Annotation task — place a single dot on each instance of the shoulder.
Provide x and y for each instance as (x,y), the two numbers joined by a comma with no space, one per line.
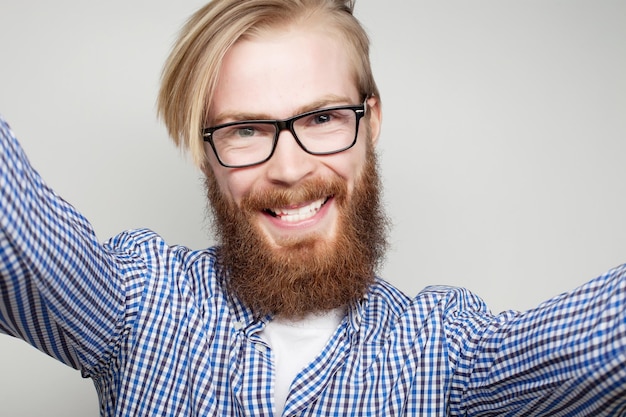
(148,244)
(384,296)
(148,251)
(442,307)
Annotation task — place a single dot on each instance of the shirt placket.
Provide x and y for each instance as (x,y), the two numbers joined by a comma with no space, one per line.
(253,385)
(310,383)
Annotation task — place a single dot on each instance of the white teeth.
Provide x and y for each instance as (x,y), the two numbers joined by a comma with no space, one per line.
(300,213)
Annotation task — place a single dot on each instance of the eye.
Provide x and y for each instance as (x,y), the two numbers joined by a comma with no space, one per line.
(235,132)
(245,132)
(322,118)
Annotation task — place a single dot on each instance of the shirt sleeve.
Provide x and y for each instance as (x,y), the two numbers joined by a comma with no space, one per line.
(565,358)
(60,290)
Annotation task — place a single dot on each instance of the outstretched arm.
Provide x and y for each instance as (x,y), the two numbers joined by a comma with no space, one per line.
(565,358)
(59,290)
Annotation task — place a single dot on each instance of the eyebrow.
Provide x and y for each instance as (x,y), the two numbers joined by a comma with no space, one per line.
(326,101)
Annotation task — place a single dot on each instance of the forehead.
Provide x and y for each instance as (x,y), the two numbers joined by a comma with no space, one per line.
(276,73)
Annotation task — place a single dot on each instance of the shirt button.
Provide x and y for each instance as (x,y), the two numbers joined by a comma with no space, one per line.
(238,325)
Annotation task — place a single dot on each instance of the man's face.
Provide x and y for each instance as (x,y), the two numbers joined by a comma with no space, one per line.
(276,76)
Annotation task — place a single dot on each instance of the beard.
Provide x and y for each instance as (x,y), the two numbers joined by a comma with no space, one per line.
(307,274)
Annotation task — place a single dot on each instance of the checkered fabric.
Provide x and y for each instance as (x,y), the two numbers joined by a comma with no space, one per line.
(155,328)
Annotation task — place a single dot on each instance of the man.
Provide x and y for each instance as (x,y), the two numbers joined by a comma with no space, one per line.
(277,104)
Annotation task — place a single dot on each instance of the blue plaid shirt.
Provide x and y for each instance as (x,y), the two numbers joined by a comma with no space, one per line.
(156,329)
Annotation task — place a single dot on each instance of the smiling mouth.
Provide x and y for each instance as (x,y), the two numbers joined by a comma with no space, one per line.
(297,214)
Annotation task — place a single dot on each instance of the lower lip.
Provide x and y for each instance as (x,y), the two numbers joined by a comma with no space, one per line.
(321,213)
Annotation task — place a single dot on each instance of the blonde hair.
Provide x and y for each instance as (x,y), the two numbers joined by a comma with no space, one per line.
(191,71)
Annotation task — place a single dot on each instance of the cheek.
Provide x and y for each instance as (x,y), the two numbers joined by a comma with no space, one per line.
(232,183)
(235,183)
(349,165)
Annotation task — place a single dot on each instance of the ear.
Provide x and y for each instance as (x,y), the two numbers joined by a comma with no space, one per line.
(374,118)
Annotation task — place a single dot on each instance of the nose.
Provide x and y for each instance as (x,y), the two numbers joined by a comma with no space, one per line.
(289,163)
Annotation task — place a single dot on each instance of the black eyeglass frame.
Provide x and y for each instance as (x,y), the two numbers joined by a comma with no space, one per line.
(286,124)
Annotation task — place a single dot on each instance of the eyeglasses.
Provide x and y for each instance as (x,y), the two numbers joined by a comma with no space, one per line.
(251,142)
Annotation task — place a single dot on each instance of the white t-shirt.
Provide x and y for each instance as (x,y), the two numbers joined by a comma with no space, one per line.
(295,344)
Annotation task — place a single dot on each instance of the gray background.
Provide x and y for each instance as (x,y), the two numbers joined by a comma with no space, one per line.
(502,149)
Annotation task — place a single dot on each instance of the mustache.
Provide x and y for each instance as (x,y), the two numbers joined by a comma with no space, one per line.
(308,190)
